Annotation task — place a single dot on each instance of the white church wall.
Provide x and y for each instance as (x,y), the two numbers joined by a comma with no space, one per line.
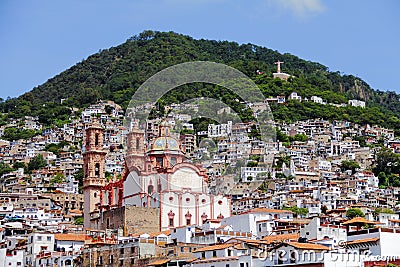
(186,178)
(221,206)
(204,206)
(169,203)
(132,184)
(188,207)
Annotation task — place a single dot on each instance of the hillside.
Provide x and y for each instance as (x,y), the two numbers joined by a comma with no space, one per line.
(116,73)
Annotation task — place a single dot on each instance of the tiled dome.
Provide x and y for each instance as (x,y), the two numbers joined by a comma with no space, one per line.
(164,143)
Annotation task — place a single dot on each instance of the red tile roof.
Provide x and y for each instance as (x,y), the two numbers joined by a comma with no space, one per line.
(362,241)
(280,238)
(158,262)
(266,210)
(71,237)
(214,247)
(359,220)
(307,246)
(215,260)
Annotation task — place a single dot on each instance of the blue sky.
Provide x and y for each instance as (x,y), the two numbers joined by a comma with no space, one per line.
(41,38)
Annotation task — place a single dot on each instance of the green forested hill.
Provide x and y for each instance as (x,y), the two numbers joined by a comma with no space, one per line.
(116,73)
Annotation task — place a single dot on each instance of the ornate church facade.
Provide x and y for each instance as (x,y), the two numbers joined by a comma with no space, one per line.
(156,176)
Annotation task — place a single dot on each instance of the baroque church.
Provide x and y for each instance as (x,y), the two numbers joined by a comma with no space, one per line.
(159,187)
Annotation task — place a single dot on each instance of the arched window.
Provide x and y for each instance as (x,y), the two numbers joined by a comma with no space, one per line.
(97,170)
(96,139)
(137,143)
(171,218)
(159,187)
(150,189)
(188,217)
(87,170)
(204,217)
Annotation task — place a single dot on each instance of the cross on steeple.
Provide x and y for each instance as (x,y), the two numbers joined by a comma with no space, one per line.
(278,63)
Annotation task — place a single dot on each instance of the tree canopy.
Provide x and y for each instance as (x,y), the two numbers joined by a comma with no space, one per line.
(4,168)
(354,212)
(36,163)
(349,165)
(299,212)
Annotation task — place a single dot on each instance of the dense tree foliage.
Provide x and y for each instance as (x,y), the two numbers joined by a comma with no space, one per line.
(117,72)
(382,210)
(56,148)
(387,168)
(19,164)
(58,179)
(4,168)
(298,212)
(79,221)
(354,212)
(36,163)
(387,162)
(351,165)
(79,177)
(13,133)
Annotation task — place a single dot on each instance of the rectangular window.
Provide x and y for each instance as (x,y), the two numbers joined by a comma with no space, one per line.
(214,253)
(132,250)
(39,238)
(48,238)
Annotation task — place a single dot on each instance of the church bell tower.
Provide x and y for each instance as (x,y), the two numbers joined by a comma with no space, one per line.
(94,173)
(136,148)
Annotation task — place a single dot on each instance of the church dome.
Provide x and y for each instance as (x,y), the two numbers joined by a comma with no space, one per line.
(165,143)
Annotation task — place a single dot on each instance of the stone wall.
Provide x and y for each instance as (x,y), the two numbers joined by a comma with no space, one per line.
(142,220)
(132,219)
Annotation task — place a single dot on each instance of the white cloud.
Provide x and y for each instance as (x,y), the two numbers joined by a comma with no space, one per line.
(301,8)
